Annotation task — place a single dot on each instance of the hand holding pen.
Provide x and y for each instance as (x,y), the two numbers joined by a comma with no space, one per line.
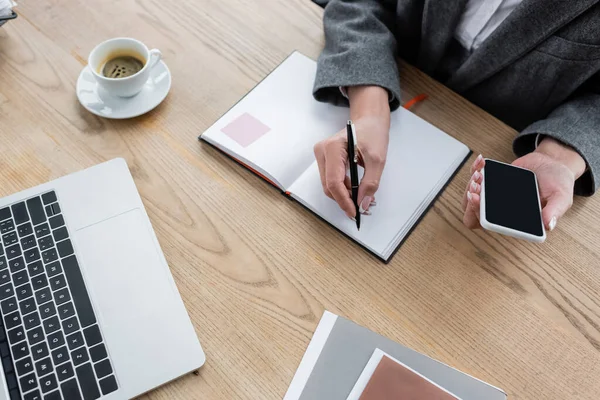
(371,124)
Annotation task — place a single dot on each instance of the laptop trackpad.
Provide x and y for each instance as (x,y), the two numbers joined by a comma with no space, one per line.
(123,269)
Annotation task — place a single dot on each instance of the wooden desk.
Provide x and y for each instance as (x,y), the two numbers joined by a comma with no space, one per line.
(255,270)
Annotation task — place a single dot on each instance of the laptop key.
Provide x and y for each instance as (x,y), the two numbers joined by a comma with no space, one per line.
(47,310)
(49,197)
(12,320)
(79,291)
(74,340)
(53,269)
(92,335)
(10,238)
(70,325)
(60,234)
(49,255)
(48,383)
(39,282)
(36,210)
(31,255)
(24,291)
(27,305)
(39,351)
(13,251)
(24,366)
(44,366)
(62,296)
(79,356)
(3,263)
(58,282)
(57,221)
(66,310)
(59,356)
(56,339)
(51,325)
(98,352)
(16,335)
(49,211)
(16,264)
(7,364)
(4,349)
(35,395)
(24,229)
(45,243)
(108,385)
(53,396)
(65,248)
(70,390)
(11,380)
(28,382)
(28,242)
(35,335)
(87,380)
(7,226)
(43,295)
(19,212)
(8,305)
(35,268)
(42,230)
(20,278)
(6,291)
(31,320)
(4,276)
(20,350)
(5,213)
(103,368)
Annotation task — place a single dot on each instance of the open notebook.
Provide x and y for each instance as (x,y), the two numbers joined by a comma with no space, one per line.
(273,129)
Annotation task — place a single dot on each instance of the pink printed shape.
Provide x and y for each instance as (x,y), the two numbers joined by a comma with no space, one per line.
(245,130)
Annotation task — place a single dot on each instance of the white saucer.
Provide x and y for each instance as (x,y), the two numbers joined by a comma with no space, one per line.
(97,101)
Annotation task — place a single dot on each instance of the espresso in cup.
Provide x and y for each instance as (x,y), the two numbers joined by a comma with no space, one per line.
(121,66)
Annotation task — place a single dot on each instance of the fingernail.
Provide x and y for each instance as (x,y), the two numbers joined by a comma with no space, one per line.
(469,196)
(364,205)
(552,224)
(479,158)
(476,175)
(373,203)
(473,186)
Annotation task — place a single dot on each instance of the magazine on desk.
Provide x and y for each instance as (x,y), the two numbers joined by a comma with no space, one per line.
(273,129)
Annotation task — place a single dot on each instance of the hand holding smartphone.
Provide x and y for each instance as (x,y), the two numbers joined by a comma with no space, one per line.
(510,202)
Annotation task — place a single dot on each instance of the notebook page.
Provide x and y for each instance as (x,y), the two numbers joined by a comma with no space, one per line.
(419,156)
(277,124)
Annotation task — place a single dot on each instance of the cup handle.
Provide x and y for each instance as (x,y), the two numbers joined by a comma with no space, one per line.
(155,56)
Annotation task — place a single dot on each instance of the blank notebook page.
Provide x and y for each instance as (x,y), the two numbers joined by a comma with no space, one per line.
(419,158)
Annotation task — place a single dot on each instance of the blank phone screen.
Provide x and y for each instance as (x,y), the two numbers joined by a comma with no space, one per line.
(511,198)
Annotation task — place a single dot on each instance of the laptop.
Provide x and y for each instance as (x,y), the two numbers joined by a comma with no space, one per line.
(89,308)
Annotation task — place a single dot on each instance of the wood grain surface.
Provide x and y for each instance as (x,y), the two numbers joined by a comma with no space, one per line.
(256,271)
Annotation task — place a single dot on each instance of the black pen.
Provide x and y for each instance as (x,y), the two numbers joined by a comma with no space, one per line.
(353,161)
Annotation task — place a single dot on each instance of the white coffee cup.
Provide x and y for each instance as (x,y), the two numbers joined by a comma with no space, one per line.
(112,48)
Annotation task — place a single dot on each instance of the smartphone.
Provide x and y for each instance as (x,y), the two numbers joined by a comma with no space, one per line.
(510,202)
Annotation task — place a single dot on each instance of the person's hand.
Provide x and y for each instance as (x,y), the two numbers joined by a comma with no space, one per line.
(556,166)
(369,110)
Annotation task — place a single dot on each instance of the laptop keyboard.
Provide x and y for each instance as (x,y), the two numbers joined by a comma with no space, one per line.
(50,342)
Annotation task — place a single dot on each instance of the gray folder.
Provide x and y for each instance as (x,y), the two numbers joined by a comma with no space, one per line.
(345,353)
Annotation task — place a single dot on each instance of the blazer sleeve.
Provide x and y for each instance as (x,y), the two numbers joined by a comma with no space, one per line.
(360,49)
(575,123)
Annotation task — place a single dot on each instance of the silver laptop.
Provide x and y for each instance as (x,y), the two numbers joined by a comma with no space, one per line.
(89,307)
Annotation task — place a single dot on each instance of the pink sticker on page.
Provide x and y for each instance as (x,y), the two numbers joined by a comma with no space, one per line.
(245,130)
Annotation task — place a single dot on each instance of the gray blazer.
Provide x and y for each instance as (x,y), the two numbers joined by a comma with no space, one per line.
(539,71)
